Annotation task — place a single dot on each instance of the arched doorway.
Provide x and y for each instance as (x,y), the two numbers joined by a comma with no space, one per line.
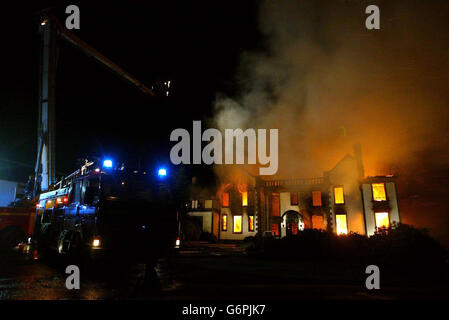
(292,222)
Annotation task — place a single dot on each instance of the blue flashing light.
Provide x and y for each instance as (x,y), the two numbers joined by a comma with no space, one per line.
(162,172)
(107,163)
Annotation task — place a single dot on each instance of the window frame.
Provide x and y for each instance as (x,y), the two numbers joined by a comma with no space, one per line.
(245,205)
(343,194)
(321,199)
(253,224)
(375,220)
(241,223)
(346,221)
(224,226)
(222,200)
(385,190)
(322,222)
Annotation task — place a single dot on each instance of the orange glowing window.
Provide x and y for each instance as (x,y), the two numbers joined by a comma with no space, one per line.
(251,223)
(224,222)
(293,198)
(342,226)
(339,195)
(317,222)
(382,220)
(225,199)
(275,229)
(244,199)
(379,193)
(316,198)
(237,224)
(275,205)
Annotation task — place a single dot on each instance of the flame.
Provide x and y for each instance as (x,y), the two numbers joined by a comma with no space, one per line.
(242,187)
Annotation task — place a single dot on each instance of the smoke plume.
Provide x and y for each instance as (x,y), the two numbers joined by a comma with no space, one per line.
(326,82)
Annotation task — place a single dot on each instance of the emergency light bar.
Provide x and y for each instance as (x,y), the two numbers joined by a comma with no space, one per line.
(107,163)
(162,172)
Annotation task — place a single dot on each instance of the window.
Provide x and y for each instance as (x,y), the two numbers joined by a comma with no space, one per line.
(294,198)
(208,204)
(317,222)
(379,193)
(275,205)
(251,223)
(316,198)
(76,192)
(225,199)
(275,229)
(342,226)
(224,222)
(244,198)
(194,204)
(237,224)
(382,220)
(339,195)
(91,191)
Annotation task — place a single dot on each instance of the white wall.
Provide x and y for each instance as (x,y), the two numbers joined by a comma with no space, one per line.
(207,219)
(345,174)
(229,235)
(391,194)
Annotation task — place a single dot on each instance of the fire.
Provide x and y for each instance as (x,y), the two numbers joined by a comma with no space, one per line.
(223,195)
(382,220)
(342,227)
(244,199)
(242,188)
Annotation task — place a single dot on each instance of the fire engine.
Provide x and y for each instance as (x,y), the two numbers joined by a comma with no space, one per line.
(16,224)
(107,212)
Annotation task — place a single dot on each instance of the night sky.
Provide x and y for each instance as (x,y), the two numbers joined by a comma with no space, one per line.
(195,46)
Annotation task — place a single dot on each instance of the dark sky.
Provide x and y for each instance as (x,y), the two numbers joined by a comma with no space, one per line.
(195,45)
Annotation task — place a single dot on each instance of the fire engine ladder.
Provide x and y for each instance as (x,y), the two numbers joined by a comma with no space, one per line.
(51,30)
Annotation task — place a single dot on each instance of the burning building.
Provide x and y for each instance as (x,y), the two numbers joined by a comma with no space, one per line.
(342,200)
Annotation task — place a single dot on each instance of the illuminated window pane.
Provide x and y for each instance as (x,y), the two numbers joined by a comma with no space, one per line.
(224,222)
(317,222)
(251,223)
(244,199)
(342,227)
(225,199)
(316,198)
(339,195)
(382,220)
(237,224)
(379,193)
(294,198)
(275,229)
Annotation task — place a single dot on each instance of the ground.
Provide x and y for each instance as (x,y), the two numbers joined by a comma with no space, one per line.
(199,271)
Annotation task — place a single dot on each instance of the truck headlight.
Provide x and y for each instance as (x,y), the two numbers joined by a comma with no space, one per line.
(96,242)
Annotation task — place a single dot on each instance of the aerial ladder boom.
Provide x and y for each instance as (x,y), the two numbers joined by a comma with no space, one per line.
(51,31)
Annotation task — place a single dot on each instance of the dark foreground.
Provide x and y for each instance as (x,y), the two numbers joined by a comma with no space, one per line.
(200,271)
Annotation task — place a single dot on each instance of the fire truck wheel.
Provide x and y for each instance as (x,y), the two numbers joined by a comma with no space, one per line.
(11,236)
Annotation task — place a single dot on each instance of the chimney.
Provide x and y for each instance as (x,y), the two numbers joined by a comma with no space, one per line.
(358,158)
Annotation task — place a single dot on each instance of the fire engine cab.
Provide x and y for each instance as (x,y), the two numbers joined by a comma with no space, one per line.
(107,212)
